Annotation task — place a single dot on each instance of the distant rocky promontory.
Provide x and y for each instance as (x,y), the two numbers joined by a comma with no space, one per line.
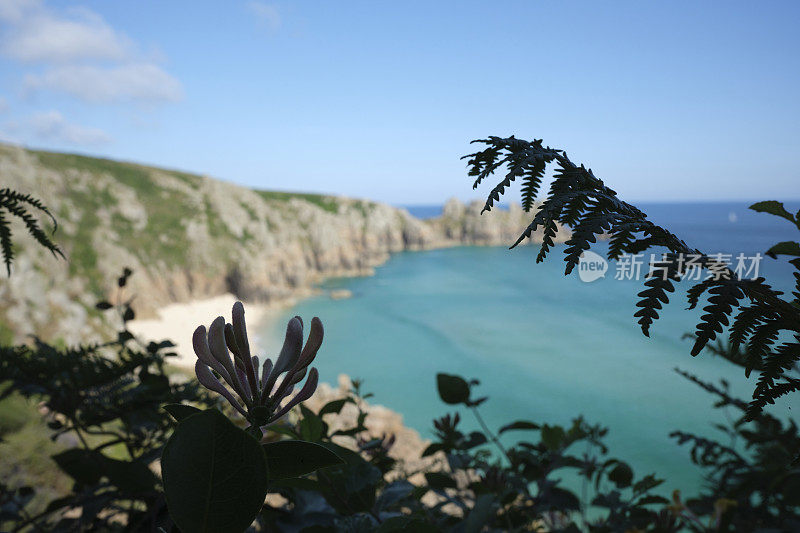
(189,237)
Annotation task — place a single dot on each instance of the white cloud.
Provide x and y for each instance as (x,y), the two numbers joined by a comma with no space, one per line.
(14,10)
(52,126)
(35,34)
(133,82)
(80,54)
(266,14)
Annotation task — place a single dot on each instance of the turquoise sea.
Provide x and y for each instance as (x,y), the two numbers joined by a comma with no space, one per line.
(545,346)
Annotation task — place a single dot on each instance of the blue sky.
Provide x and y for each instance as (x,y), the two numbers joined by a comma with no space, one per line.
(665,101)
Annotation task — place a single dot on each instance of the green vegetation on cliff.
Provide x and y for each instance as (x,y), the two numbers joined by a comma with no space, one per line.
(187,235)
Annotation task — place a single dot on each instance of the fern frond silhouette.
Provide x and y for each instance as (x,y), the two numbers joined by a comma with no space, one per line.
(21,205)
(755,314)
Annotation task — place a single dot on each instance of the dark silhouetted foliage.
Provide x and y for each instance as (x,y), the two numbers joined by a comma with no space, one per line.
(19,205)
(252,463)
(757,314)
(753,479)
(107,399)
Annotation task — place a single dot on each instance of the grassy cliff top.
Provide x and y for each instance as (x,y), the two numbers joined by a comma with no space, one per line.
(139,176)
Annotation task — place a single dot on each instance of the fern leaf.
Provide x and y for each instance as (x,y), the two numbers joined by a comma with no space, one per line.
(659,283)
(583,236)
(532,181)
(746,322)
(724,297)
(776,363)
(15,203)
(758,404)
(578,199)
(6,246)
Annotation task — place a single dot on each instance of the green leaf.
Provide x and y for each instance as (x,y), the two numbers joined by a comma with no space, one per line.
(154,347)
(621,475)
(284,430)
(480,514)
(179,411)
(85,467)
(520,424)
(295,458)
(394,493)
(312,428)
(784,248)
(653,499)
(563,500)
(348,456)
(157,384)
(452,389)
(60,503)
(647,483)
(333,407)
(131,477)
(476,438)
(432,449)
(439,481)
(215,475)
(773,208)
(553,436)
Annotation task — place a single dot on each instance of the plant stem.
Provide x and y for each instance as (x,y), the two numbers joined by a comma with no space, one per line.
(491,435)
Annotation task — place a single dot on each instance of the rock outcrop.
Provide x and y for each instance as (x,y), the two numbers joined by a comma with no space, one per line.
(463,225)
(380,422)
(189,236)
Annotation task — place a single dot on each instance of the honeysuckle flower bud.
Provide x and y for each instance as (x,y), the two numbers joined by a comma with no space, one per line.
(257,397)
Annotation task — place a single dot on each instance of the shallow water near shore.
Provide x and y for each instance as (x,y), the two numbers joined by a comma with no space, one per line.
(545,346)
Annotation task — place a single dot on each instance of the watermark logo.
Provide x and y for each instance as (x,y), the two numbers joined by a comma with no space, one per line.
(693,267)
(696,267)
(591,266)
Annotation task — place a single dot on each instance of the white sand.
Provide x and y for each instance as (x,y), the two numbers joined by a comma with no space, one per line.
(177,322)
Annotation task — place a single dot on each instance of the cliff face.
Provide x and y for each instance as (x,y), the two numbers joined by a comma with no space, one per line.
(464,225)
(188,236)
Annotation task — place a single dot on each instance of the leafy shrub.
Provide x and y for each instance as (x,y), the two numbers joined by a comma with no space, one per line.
(108,399)
(753,479)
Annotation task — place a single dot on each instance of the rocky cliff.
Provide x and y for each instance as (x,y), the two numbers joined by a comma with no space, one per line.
(188,236)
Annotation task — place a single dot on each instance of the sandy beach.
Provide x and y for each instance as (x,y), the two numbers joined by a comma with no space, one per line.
(178,321)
